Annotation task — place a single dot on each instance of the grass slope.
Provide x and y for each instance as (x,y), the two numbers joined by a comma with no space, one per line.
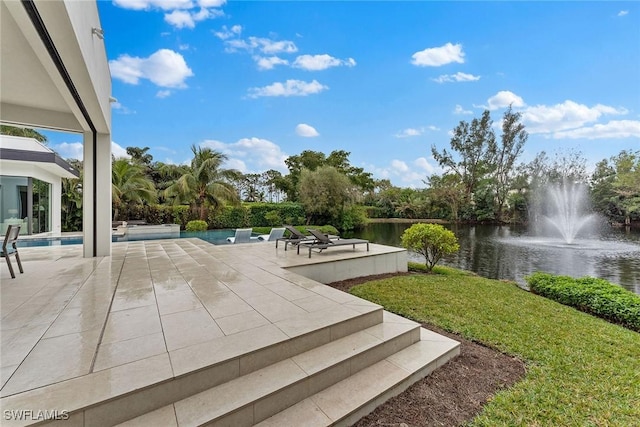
(581,370)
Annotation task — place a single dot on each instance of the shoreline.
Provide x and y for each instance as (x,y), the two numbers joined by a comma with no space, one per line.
(407,220)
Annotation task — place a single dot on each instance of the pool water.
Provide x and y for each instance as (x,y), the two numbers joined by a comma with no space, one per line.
(216,237)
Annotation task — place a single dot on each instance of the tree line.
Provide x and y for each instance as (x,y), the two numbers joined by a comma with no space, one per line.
(483,181)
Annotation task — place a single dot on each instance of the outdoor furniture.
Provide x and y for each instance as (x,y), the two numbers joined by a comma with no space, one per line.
(322,242)
(9,248)
(243,235)
(295,237)
(273,236)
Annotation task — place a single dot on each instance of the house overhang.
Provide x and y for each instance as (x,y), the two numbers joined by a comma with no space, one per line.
(46,45)
(50,162)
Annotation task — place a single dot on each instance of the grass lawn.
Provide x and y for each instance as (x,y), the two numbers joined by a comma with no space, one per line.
(581,370)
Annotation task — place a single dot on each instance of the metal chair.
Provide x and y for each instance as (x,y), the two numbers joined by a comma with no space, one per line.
(9,248)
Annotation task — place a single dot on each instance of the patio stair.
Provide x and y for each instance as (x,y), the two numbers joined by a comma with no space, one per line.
(333,384)
(330,365)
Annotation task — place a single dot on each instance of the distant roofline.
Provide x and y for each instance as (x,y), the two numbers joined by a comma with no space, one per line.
(37,157)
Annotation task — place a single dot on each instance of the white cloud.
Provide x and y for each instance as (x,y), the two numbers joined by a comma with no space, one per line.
(437,56)
(121,109)
(565,116)
(399,166)
(503,99)
(272,46)
(227,33)
(165,68)
(460,110)
(188,19)
(433,128)
(424,164)
(236,164)
(183,47)
(251,154)
(69,150)
(288,88)
(163,93)
(211,3)
(613,129)
(268,62)
(623,13)
(457,77)
(74,150)
(180,13)
(264,45)
(407,176)
(154,4)
(306,130)
(405,133)
(180,19)
(119,151)
(321,62)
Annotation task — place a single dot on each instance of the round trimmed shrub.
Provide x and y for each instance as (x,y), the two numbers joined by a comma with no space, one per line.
(196,225)
(430,240)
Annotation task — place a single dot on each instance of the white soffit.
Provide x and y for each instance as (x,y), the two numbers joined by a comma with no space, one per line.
(33,92)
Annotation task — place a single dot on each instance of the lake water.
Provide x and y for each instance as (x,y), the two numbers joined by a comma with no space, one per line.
(509,252)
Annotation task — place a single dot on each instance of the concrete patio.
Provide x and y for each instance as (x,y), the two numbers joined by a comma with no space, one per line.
(182,332)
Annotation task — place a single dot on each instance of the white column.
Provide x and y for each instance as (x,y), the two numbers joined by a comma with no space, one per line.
(56,207)
(100,226)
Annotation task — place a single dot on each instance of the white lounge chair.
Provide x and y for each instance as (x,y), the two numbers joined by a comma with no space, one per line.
(243,235)
(276,233)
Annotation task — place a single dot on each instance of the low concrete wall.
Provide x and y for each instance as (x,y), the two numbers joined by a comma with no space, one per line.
(336,270)
(170,230)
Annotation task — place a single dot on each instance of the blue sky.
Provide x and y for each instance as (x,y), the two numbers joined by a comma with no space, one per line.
(261,81)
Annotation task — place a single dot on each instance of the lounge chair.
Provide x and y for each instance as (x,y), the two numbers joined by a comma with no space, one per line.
(294,238)
(276,233)
(243,235)
(9,248)
(322,242)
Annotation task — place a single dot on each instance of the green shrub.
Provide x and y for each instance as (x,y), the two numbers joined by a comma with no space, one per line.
(430,240)
(591,295)
(376,212)
(196,225)
(353,218)
(229,217)
(264,214)
(273,218)
(257,215)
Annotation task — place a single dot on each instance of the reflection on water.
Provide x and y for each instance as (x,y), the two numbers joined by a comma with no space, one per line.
(507,252)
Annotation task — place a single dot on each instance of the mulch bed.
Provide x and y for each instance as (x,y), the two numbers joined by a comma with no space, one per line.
(455,392)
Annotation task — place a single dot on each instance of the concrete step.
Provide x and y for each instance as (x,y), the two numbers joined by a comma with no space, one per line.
(259,395)
(345,402)
(143,386)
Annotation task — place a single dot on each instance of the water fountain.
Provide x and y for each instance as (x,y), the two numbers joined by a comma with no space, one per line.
(567,211)
(565,237)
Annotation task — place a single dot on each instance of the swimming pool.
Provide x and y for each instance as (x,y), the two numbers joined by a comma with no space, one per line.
(217,237)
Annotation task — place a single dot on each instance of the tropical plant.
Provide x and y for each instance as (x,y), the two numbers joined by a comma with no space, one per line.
(130,185)
(430,240)
(205,184)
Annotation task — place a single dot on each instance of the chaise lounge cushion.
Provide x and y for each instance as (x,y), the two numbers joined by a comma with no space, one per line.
(323,242)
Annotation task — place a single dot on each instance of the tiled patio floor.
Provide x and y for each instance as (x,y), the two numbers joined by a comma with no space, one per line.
(69,316)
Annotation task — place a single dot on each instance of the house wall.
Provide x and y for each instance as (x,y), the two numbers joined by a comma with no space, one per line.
(28,170)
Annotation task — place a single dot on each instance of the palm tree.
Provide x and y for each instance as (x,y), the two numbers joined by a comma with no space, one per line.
(205,183)
(130,184)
